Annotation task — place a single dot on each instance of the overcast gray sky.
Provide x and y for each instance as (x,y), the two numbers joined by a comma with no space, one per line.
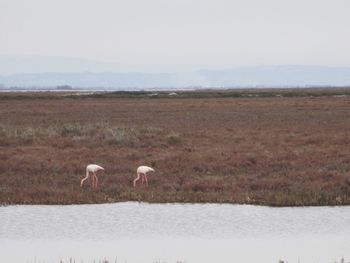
(180,34)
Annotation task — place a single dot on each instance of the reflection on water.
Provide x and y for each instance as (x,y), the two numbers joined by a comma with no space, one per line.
(140,232)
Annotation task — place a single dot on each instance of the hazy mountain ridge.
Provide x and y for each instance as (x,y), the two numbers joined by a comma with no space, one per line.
(238,77)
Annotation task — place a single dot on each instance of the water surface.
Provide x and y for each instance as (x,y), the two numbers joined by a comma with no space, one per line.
(140,232)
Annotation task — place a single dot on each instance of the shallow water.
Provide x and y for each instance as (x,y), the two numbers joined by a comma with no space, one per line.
(140,232)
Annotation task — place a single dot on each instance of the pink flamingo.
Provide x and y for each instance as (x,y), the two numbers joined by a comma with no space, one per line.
(142,173)
(92,168)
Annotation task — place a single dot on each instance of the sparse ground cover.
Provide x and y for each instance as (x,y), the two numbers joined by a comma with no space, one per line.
(258,149)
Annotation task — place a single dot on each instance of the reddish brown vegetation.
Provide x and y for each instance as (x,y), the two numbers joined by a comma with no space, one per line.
(275,151)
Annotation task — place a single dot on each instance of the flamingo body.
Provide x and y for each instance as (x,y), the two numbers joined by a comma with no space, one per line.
(92,169)
(144,169)
(141,172)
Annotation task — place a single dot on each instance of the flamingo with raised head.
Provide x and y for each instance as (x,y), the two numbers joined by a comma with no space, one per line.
(142,173)
(92,169)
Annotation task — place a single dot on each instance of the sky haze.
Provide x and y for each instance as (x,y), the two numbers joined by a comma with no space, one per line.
(179,35)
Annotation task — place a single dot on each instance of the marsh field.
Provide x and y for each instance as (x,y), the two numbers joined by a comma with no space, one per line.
(268,147)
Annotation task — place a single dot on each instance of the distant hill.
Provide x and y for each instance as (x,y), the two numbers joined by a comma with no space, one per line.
(260,76)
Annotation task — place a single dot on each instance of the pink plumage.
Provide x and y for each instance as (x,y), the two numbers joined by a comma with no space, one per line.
(92,169)
(141,172)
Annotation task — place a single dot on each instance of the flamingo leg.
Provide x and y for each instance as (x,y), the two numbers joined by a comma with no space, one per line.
(136,179)
(92,180)
(145,175)
(96,180)
(142,178)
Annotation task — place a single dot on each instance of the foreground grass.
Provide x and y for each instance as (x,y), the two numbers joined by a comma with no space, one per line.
(280,151)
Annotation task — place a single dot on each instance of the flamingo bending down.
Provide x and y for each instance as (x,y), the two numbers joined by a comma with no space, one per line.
(142,173)
(92,168)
